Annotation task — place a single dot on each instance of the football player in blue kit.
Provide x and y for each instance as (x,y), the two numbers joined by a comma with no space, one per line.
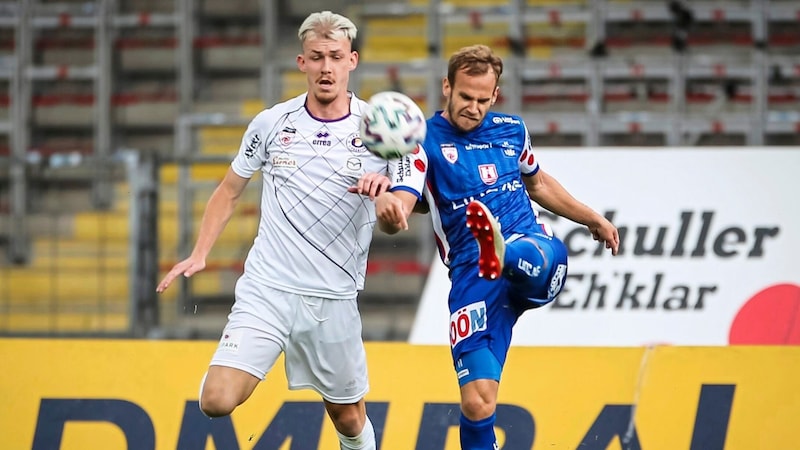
(477,173)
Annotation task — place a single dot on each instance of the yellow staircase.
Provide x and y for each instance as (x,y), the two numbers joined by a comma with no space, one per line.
(80,283)
(395,38)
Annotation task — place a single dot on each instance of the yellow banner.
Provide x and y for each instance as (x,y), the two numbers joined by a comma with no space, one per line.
(90,394)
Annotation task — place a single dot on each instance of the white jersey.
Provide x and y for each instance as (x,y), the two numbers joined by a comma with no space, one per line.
(314,236)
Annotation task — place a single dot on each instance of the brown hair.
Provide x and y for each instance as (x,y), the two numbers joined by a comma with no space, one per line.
(474,60)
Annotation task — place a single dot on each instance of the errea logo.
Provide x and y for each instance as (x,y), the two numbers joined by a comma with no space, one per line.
(322,139)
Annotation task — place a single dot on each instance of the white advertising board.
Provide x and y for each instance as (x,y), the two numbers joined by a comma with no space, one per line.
(710,240)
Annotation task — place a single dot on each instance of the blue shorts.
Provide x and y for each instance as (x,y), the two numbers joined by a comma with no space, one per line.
(480,364)
(481,315)
(483,312)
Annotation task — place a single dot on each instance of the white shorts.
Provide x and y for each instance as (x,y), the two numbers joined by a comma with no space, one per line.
(320,337)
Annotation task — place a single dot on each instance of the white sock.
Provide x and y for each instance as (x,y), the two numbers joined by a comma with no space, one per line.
(364,441)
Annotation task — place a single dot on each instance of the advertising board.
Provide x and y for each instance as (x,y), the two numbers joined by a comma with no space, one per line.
(709,242)
(142,395)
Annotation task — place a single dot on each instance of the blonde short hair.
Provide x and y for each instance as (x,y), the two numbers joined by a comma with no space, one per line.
(327,25)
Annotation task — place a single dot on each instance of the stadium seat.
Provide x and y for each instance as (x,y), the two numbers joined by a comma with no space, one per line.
(223,141)
(64,322)
(394,38)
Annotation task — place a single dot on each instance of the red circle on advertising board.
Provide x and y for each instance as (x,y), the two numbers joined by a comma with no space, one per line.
(770,317)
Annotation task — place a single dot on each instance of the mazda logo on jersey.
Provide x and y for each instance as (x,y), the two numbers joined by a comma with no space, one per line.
(354,164)
(488,173)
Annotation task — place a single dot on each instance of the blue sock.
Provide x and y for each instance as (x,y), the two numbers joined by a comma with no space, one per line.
(478,435)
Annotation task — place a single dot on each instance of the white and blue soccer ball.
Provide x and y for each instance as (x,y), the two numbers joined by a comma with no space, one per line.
(392,125)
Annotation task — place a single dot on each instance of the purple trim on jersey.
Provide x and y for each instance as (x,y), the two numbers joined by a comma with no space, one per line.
(349,111)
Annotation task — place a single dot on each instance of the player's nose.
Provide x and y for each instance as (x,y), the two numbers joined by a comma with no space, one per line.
(326,65)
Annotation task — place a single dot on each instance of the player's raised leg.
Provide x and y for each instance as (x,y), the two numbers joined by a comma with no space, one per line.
(536,266)
(490,240)
(534,263)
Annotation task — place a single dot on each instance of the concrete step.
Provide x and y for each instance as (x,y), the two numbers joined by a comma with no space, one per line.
(37,287)
(116,227)
(144,58)
(146,113)
(63,322)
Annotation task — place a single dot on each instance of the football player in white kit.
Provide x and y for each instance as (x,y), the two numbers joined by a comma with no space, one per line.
(297,294)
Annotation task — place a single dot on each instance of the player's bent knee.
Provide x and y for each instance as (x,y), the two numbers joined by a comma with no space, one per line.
(216,402)
(348,419)
(223,389)
(218,399)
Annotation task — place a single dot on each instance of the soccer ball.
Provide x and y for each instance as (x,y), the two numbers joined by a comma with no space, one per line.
(392,125)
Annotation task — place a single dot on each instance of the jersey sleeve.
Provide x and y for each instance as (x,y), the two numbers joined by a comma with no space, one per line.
(252,153)
(528,165)
(410,171)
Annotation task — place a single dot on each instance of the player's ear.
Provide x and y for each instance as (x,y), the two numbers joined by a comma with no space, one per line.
(495,94)
(446,87)
(301,63)
(353,59)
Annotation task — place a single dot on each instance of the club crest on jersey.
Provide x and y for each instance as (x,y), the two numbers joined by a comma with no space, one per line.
(286,136)
(450,152)
(488,173)
(354,144)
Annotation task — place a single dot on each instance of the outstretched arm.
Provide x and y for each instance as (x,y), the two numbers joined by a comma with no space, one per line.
(550,194)
(393,209)
(218,212)
(371,184)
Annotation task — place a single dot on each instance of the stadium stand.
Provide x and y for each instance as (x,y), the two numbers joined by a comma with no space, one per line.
(91,78)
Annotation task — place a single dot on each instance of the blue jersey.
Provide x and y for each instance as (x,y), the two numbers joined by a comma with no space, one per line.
(453,168)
